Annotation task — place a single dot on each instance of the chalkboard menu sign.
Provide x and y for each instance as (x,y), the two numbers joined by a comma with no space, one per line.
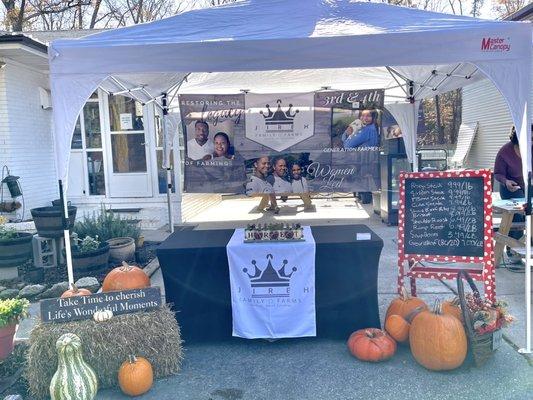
(445,213)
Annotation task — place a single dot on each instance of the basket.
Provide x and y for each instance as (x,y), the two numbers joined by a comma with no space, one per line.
(481,347)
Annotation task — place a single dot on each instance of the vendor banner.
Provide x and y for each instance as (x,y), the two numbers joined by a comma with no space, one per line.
(283,143)
(212,124)
(272,287)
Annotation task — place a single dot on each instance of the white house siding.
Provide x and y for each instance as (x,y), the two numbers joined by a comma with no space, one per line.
(483,103)
(27,130)
(4,125)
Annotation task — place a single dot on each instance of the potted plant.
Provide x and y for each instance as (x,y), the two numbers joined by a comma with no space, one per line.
(89,254)
(15,247)
(120,233)
(121,249)
(11,312)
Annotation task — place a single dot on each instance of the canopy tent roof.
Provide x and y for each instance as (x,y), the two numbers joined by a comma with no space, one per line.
(311,43)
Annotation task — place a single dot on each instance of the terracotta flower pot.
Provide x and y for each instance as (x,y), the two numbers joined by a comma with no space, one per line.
(7,333)
(121,249)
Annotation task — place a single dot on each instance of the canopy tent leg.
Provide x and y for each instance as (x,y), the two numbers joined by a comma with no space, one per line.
(169,201)
(527,349)
(66,233)
(167,163)
(414,136)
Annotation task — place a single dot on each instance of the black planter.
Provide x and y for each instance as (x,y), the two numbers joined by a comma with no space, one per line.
(35,275)
(15,251)
(90,261)
(49,220)
(57,203)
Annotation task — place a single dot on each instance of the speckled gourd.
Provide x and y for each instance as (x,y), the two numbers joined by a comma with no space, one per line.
(74,378)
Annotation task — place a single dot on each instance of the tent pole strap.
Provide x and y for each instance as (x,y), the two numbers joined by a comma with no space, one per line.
(66,234)
(169,175)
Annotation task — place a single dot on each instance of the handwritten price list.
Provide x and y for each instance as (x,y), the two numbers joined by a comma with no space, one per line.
(444,216)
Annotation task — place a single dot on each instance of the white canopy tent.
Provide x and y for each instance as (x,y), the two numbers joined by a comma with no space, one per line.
(297,45)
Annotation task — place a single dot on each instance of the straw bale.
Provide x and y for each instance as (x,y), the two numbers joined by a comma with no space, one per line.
(154,335)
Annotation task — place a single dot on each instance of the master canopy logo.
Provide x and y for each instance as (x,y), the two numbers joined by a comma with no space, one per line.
(495,44)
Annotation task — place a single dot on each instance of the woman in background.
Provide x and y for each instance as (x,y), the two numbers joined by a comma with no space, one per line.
(508,171)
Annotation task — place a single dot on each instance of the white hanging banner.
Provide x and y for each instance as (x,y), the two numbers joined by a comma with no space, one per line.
(272,287)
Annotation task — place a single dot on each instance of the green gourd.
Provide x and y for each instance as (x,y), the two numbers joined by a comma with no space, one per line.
(74,378)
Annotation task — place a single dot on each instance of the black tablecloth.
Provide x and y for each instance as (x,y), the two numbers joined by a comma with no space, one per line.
(196,274)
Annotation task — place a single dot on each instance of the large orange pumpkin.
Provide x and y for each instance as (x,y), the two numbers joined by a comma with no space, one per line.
(125,277)
(438,341)
(371,344)
(135,376)
(453,307)
(74,291)
(398,327)
(404,304)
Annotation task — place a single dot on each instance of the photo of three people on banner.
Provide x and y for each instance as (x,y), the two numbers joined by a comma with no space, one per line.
(278,178)
(200,148)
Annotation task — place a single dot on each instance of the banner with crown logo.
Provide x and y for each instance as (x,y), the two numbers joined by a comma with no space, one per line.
(283,143)
(272,287)
(279,121)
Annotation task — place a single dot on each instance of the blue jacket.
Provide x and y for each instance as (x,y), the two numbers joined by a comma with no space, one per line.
(367,137)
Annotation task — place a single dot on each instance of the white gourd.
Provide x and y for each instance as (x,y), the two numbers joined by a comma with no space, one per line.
(103,315)
(74,378)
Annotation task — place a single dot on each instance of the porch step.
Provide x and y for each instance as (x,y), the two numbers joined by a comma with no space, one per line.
(125,210)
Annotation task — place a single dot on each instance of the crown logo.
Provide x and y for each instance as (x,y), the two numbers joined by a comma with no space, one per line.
(279,121)
(270,282)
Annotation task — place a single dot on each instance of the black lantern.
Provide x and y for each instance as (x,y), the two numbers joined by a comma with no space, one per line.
(13,185)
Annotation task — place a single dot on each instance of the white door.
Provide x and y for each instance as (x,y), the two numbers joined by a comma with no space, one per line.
(127,149)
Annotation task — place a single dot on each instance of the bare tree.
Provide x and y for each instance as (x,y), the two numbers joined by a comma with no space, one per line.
(504,8)
(22,15)
(476,7)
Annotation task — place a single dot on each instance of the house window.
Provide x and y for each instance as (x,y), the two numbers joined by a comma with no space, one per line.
(161,172)
(87,141)
(125,114)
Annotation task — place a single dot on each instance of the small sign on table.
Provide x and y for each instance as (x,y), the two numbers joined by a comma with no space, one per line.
(83,307)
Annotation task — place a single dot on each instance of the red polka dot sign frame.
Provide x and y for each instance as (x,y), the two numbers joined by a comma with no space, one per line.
(409,264)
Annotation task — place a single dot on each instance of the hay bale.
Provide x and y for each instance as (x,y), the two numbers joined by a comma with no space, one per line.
(154,335)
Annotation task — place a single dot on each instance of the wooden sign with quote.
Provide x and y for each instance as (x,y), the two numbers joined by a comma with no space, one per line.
(83,307)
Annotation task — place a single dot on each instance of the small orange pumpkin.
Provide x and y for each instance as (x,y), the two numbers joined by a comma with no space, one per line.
(135,376)
(453,307)
(438,341)
(371,344)
(404,304)
(125,277)
(74,291)
(398,327)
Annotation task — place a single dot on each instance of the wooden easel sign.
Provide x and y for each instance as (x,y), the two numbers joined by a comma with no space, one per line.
(445,216)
